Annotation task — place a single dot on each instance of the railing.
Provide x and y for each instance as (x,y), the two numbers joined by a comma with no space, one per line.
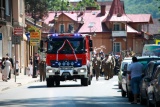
(2,13)
(119,33)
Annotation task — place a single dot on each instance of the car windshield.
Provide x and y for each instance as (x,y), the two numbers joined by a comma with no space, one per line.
(66,46)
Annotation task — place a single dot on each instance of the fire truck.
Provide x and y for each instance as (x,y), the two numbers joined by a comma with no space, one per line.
(68,57)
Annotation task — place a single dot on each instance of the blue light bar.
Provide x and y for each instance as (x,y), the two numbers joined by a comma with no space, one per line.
(55,34)
(76,34)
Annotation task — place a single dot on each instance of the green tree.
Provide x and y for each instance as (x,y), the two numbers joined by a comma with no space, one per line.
(38,8)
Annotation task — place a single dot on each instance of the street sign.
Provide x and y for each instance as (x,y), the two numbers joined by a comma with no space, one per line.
(34,38)
(16,39)
(18,31)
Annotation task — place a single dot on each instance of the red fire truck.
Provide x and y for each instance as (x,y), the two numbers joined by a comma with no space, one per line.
(68,57)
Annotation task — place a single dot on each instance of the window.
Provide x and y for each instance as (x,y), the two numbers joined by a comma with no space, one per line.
(62,28)
(117,27)
(21,7)
(70,28)
(7,7)
(116,47)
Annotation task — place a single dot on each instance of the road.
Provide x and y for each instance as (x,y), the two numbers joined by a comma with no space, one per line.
(102,93)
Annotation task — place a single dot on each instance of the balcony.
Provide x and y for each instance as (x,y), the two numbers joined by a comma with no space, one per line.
(119,34)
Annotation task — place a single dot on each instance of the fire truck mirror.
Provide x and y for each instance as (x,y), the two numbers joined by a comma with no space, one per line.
(90,49)
(90,43)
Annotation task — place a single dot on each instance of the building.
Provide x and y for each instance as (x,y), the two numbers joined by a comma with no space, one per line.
(12,25)
(112,30)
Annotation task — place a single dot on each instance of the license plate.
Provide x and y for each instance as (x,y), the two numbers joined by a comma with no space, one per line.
(66,74)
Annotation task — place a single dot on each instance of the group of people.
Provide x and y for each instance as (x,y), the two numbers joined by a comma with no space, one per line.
(7,66)
(103,65)
(39,65)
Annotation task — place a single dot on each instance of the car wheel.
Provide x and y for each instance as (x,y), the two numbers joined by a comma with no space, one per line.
(130,96)
(142,100)
(123,92)
(149,104)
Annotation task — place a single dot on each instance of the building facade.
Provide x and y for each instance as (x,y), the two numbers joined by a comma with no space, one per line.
(112,30)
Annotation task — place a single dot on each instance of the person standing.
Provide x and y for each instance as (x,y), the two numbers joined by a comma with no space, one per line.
(17,68)
(7,68)
(135,69)
(42,66)
(97,64)
(30,66)
(2,68)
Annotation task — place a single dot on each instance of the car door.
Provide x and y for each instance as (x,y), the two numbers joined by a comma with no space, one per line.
(156,84)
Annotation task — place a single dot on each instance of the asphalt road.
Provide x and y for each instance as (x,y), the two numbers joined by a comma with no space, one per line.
(102,93)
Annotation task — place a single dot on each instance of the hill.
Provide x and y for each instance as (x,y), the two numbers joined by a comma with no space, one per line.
(142,6)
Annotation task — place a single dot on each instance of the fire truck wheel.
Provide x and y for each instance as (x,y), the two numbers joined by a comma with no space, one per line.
(48,81)
(84,81)
(57,83)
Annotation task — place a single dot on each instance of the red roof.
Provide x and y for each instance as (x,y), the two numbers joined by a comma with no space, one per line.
(140,17)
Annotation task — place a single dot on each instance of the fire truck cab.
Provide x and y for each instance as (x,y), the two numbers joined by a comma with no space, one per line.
(68,57)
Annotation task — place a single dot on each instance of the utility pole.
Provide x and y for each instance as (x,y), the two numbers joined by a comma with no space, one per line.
(34,57)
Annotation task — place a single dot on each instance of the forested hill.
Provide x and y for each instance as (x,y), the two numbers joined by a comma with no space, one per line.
(142,6)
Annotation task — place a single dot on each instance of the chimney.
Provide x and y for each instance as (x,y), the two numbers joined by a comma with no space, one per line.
(103,10)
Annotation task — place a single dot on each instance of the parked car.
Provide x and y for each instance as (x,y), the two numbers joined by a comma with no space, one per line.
(125,60)
(153,90)
(126,78)
(148,76)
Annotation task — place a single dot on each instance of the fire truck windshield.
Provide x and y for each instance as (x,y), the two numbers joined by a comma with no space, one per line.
(66,46)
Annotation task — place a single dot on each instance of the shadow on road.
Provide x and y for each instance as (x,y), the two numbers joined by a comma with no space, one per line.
(68,101)
(61,86)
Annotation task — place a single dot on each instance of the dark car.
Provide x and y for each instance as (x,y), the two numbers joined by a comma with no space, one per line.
(126,78)
(148,75)
(153,90)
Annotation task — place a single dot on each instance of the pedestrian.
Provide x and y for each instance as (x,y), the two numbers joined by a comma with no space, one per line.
(113,63)
(135,69)
(97,64)
(106,66)
(17,68)
(30,66)
(42,67)
(2,68)
(7,68)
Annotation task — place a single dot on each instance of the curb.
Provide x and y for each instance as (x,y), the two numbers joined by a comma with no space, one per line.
(18,85)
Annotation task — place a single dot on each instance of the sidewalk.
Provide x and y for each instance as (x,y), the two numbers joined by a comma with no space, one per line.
(20,80)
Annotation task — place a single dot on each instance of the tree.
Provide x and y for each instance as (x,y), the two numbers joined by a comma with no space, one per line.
(38,8)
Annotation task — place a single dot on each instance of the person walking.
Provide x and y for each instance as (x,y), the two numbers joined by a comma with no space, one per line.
(30,66)
(7,68)
(135,69)
(97,64)
(106,66)
(2,68)
(42,67)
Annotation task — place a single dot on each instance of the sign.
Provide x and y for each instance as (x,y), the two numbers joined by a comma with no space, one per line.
(34,38)
(18,31)
(16,39)
(158,42)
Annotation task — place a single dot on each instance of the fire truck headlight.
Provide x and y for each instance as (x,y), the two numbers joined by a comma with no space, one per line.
(49,71)
(82,70)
